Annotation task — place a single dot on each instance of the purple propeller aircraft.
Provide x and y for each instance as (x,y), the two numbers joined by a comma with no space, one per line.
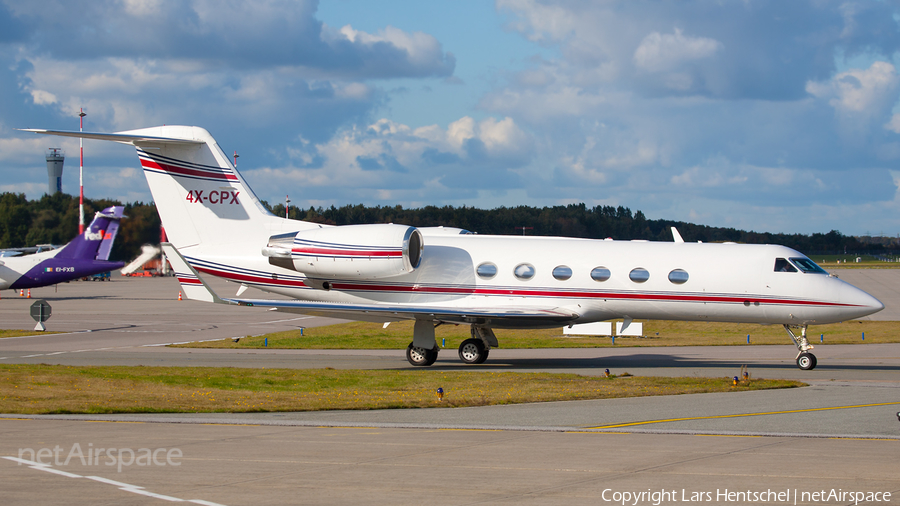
(87,254)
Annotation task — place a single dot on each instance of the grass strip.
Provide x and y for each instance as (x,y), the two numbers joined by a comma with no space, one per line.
(362,335)
(20,333)
(52,389)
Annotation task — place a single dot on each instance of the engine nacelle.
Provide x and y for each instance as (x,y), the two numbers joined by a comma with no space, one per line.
(349,251)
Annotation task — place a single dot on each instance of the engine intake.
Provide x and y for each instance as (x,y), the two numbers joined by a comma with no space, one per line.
(349,251)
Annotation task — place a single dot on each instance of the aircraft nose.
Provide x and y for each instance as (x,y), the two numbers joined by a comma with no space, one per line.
(864,303)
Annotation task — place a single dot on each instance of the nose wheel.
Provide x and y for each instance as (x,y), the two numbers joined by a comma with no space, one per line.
(805,360)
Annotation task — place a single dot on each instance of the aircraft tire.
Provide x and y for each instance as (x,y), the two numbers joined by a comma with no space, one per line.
(806,361)
(472,351)
(420,357)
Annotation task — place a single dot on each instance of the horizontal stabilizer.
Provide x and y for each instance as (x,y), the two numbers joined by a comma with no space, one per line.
(122,137)
(192,285)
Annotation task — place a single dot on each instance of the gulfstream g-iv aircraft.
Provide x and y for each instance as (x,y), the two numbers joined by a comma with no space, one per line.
(85,255)
(391,272)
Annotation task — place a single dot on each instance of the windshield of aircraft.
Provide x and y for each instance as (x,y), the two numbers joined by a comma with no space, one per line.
(807,265)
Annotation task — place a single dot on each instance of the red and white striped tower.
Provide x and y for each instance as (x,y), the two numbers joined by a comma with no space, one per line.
(81,116)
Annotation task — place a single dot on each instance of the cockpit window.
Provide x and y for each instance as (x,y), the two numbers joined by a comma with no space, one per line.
(807,265)
(782,265)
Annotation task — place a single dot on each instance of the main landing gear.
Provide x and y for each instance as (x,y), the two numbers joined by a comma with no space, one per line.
(473,351)
(420,357)
(805,360)
(423,351)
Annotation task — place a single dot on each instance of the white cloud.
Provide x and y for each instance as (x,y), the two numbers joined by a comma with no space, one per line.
(460,131)
(42,97)
(540,21)
(863,93)
(391,160)
(894,124)
(662,52)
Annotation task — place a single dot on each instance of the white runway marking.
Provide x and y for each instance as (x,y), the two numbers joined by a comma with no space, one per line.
(80,351)
(288,320)
(126,487)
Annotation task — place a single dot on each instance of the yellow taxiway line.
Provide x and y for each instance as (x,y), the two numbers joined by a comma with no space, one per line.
(647,422)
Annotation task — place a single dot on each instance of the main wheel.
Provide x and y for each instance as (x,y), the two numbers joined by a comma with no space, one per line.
(472,351)
(420,357)
(806,361)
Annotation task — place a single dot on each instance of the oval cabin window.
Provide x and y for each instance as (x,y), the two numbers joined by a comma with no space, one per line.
(639,275)
(562,273)
(600,274)
(524,271)
(486,270)
(678,276)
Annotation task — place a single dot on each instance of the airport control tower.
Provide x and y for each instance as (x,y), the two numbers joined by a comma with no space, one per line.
(55,159)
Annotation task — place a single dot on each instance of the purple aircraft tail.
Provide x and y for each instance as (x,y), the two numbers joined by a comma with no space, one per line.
(87,254)
(97,239)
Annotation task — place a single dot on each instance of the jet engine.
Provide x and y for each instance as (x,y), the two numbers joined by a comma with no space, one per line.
(349,251)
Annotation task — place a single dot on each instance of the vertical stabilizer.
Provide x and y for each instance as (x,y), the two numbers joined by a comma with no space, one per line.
(200,196)
(97,239)
(205,205)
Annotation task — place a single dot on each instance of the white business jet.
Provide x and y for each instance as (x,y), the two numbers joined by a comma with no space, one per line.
(391,272)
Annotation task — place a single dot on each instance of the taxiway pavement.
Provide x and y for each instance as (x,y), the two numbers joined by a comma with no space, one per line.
(842,432)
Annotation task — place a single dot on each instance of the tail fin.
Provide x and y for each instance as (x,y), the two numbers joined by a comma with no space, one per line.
(112,230)
(97,239)
(201,198)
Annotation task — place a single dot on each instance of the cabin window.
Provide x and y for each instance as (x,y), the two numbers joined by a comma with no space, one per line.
(524,271)
(807,265)
(782,265)
(486,270)
(678,276)
(600,274)
(562,272)
(639,275)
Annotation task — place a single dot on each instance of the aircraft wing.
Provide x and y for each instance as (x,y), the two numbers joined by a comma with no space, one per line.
(498,316)
(195,288)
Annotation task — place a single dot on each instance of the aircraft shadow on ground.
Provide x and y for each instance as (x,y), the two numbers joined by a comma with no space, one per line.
(619,364)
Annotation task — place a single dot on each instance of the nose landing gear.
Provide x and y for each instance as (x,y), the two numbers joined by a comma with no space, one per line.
(805,360)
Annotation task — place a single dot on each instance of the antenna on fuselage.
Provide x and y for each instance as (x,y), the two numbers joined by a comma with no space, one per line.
(676,236)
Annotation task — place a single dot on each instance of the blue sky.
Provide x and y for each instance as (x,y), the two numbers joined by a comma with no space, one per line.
(761,115)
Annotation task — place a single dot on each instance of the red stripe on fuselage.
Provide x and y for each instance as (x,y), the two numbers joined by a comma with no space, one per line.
(185,172)
(360,287)
(578,295)
(250,279)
